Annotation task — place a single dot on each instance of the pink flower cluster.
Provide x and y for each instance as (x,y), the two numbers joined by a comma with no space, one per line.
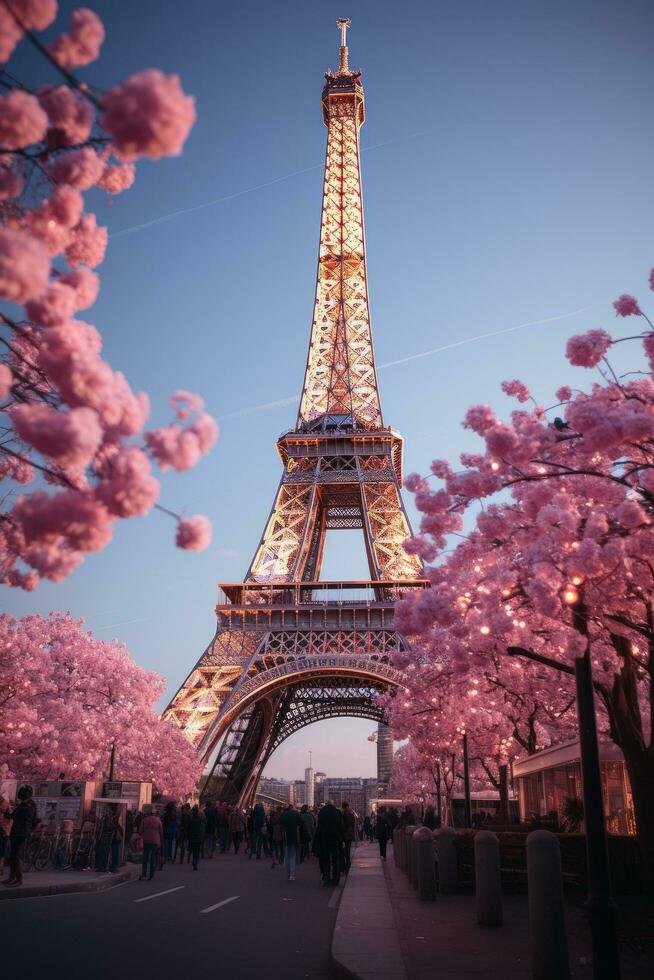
(67,697)
(65,403)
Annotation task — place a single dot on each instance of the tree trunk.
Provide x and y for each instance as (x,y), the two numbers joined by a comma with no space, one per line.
(640,768)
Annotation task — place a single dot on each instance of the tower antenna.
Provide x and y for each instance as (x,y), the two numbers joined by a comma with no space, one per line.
(343,23)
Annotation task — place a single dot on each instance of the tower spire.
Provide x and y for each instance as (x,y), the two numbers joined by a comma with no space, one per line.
(343,23)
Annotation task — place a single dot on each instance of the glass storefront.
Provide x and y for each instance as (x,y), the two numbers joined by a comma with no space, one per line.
(545,791)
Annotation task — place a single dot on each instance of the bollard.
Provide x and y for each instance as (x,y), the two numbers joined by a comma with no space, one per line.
(547,935)
(414,860)
(488,879)
(448,875)
(408,851)
(423,845)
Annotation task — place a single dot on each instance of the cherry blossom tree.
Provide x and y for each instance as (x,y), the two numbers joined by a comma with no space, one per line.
(560,561)
(72,428)
(66,697)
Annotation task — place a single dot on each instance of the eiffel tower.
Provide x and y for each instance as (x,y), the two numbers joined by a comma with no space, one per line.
(290,649)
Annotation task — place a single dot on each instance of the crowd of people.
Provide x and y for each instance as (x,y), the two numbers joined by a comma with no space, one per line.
(283,834)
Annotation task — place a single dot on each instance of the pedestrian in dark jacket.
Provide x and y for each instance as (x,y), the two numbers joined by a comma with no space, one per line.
(383,831)
(349,834)
(329,834)
(182,832)
(292,828)
(196,832)
(23,818)
(170,828)
(237,827)
(211,830)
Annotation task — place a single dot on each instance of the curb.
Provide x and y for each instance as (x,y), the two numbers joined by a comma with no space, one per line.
(365,944)
(66,888)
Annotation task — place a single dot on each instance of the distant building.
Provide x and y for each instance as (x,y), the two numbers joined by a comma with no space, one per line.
(279,789)
(384,753)
(309,795)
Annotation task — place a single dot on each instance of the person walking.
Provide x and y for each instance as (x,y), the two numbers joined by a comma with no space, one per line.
(329,834)
(153,838)
(307,833)
(170,829)
(277,836)
(259,839)
(292,826)
(237,827)
(182,832)
(223,828)
(196,833)
(22,821)
(383,831)
(211,829)
(349,834)
(367,829)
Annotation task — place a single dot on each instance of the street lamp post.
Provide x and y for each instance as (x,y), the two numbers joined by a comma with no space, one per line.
(601,908)
(112,760)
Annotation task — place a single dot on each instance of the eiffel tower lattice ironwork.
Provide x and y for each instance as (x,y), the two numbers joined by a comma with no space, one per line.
(290,649)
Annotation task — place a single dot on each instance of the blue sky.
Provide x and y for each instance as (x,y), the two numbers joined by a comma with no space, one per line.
(507,167)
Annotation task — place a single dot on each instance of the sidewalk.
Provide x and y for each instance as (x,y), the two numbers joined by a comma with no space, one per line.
(39,883)
(365,942)
(441,940)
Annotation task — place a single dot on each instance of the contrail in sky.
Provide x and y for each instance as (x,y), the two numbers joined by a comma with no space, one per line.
(293,399)
(162,219)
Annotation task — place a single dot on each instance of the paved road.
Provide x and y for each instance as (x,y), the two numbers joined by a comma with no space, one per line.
(267,927)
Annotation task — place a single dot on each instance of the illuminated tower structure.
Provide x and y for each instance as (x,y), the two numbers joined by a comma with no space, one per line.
(291,649)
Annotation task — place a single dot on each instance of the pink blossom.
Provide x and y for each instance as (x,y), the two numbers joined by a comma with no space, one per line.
(184,403)
(588,349)
(88,244)
(117,178)
(502,441)
(193,533)
(53,306)
(24,266)
(10,34)
(441,468)
(148,115)
(128,489)
(517,390)
(54,560)
(11,183)
(83,522)
(70,116)
(56,216)
(181,448)
(69,438)
(479,418)
(631,514)
(86,284)
(79,168)
(6,380)
(414,482)
(82,44)
(651,279)
(22,120)
(35,15)
(626,305)
(564,394)
(419,545)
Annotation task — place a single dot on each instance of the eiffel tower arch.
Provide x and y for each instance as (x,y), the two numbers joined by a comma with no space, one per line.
(291,649)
